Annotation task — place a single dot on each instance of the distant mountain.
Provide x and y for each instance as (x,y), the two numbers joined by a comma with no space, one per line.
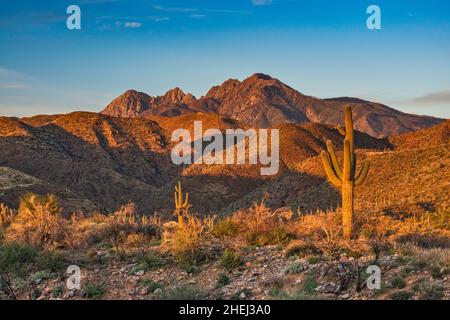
(263,101)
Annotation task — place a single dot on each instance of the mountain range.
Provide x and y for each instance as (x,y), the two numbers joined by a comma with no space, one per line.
(99,161)
(262,101)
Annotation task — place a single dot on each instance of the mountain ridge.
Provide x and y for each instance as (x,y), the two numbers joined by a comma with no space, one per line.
(263,101)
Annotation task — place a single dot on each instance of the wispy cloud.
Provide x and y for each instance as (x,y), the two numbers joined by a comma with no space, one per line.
(198,11)
(132,24)
(434,98)
(10,79)
(13,85)
(174,9)
(261,2)
(197,16)
(158,19)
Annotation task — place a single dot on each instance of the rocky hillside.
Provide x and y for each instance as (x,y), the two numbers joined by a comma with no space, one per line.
(263,101)
(108,161)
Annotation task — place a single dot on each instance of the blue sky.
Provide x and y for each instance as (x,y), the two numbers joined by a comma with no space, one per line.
(321,48)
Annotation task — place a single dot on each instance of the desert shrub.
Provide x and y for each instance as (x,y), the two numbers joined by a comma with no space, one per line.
(398,283)
(57,292)
(152,260)
(438,273)
(94,290)
(230,259)
(376,230)
(188,242)
(295,267)
(17,259)
(184,292)
(225,228)
(421,258)
(38,222)
(309,285)
(401,295)
(151,285)
(6,216)
(301,248)
(123,230)
(313,259)
(426,241)
(222,280)
(261,226)
(431,291)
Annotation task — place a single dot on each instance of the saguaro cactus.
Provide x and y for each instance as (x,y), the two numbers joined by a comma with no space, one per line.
(347,178)
(181,206)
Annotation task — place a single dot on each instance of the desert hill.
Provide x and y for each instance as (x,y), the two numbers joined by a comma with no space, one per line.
(109,161)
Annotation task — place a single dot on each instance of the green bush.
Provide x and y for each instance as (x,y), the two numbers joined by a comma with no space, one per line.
(153,260)
(402,295)
(94,290)
(309,285)
(295,267)
(276,236)
(432,292)
(222,280)
(151,285)
(183,293)
(225,229)
(230,259)
(18,259)
(398,283)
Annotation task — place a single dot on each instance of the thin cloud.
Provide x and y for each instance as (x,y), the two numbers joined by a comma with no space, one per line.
(10,79)
(197,10)
(13,85)
(435,98)
(174,9)
(261,2)
(158,19)
(197,16)
(133,24)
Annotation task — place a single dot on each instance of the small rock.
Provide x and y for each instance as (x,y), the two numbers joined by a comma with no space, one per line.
(157,291)
(242,295)
(140,273)
(345,296)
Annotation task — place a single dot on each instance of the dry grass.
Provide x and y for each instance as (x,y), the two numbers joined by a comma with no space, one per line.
(38,223)
(6,216)
(189,241)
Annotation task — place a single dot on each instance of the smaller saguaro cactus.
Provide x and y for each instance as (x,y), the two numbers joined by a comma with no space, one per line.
(181,206)
(347,178)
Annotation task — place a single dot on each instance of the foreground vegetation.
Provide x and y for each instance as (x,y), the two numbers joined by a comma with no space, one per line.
(254,253)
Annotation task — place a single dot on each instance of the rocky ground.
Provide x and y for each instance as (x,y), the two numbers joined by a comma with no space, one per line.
(262,273)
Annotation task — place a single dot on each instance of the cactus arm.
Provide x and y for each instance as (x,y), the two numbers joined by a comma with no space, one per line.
(349,127)
(363,173)
(329,169)
(341,130)
(185,204)
(180,195)
(176,200)
(334,161)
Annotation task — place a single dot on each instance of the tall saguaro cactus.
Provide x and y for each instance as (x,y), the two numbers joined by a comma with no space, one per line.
(181,206)
(347,178)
